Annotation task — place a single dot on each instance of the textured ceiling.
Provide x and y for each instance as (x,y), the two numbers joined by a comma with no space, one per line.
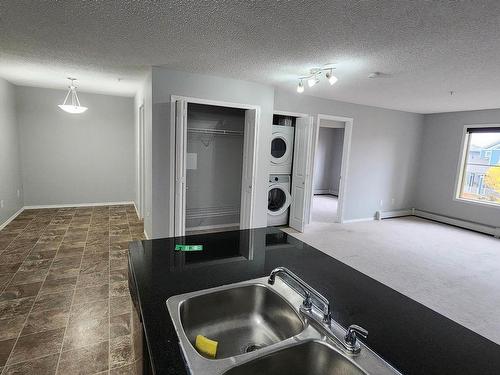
(424,48)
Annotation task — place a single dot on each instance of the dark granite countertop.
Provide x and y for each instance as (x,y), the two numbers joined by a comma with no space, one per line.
(412,337)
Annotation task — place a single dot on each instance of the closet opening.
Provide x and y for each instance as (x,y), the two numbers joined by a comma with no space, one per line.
(214,162)
(215,153)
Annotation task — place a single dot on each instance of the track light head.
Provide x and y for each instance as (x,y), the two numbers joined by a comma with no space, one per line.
(331,78)
(311,81)
(300,87)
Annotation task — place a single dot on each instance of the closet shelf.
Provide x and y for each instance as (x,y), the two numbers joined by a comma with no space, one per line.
(214,131)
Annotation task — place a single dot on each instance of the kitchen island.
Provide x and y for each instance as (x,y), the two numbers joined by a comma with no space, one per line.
(411,337)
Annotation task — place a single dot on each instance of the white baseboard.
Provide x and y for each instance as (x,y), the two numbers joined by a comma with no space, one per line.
(321,191)
(482,228)
(137,211)
(218,226)
(326,191)
(379,215)
(6,222)
(477,227)
(358,220)
(36,207)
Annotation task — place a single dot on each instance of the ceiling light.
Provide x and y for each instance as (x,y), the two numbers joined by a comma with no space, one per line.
(331,78)
(314,77)
(311,81)
(300,87)
(74,106)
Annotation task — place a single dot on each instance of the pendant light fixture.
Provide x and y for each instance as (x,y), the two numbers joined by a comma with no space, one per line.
(73,105)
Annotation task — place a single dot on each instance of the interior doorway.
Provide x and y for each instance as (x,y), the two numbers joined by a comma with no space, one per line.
(330,155)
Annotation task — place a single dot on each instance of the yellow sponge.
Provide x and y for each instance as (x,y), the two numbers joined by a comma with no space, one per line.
(206,346)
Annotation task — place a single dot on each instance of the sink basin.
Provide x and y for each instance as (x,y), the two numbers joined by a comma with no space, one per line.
(242,319)
(261,329)
(308,358)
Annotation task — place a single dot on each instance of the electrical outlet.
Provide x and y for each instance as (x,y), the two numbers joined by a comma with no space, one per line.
(393,201)
(18,193)
(1,203)
(381,203)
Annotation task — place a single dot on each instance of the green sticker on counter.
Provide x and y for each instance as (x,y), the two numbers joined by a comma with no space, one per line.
(189,247)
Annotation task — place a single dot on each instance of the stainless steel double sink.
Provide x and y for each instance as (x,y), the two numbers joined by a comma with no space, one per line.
(261,329)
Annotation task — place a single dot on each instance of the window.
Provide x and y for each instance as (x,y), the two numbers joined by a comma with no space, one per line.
(480,169)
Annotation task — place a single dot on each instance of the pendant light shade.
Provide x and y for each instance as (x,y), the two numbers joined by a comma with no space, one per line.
(71,103)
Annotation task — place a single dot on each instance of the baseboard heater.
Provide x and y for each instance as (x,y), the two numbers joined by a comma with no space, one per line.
(477,227)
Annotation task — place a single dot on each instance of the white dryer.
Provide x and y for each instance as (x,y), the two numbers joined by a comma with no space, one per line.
(278,200)
(281,149)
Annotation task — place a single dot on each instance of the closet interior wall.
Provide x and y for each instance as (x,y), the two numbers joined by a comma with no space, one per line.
(214,163)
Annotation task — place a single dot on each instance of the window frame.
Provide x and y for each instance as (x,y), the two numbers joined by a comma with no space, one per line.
(461,175)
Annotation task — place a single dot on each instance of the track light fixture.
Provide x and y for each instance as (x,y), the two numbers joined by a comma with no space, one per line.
(314,77)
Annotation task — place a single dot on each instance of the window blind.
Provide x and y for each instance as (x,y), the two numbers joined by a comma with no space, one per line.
(491,129)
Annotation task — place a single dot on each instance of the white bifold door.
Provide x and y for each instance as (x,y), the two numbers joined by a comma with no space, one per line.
(301,183)
(248,167)
(247,188)
(180,167)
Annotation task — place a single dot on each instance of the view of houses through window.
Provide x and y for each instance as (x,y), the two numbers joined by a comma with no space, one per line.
(481,173)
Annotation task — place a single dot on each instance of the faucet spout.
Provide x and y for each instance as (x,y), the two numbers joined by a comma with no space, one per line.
(307,290)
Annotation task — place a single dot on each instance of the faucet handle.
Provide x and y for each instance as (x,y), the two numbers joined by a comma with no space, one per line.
(354,329)
(307,303)
(351,337)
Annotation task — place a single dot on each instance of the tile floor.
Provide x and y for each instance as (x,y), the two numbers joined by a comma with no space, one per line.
(65,307)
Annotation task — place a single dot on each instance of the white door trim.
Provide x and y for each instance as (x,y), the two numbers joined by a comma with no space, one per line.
(173,154)
(142,163)
(346,152)
(293,114)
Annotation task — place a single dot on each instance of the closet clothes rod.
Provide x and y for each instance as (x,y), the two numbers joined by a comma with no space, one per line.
(214,131)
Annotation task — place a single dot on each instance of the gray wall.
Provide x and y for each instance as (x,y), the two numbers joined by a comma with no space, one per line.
(438,166)
(328,160)
(71,159)
(10,162)
(166,83)
(385,148)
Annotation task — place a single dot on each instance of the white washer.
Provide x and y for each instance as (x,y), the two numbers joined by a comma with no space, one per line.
(278,200)
(281,149)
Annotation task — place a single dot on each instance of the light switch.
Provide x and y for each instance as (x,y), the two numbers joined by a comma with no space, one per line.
(191,160)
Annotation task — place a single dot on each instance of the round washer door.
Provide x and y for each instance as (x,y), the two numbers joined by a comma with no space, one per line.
(280,149)
(278,199)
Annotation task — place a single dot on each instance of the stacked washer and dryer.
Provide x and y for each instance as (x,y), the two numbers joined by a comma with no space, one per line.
(278,196)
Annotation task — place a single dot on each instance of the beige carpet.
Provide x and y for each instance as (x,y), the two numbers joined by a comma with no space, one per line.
(453,271)
(324,209)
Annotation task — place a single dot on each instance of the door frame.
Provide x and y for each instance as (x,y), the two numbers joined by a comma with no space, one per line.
(173,153)
(142,162)
(344,169)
